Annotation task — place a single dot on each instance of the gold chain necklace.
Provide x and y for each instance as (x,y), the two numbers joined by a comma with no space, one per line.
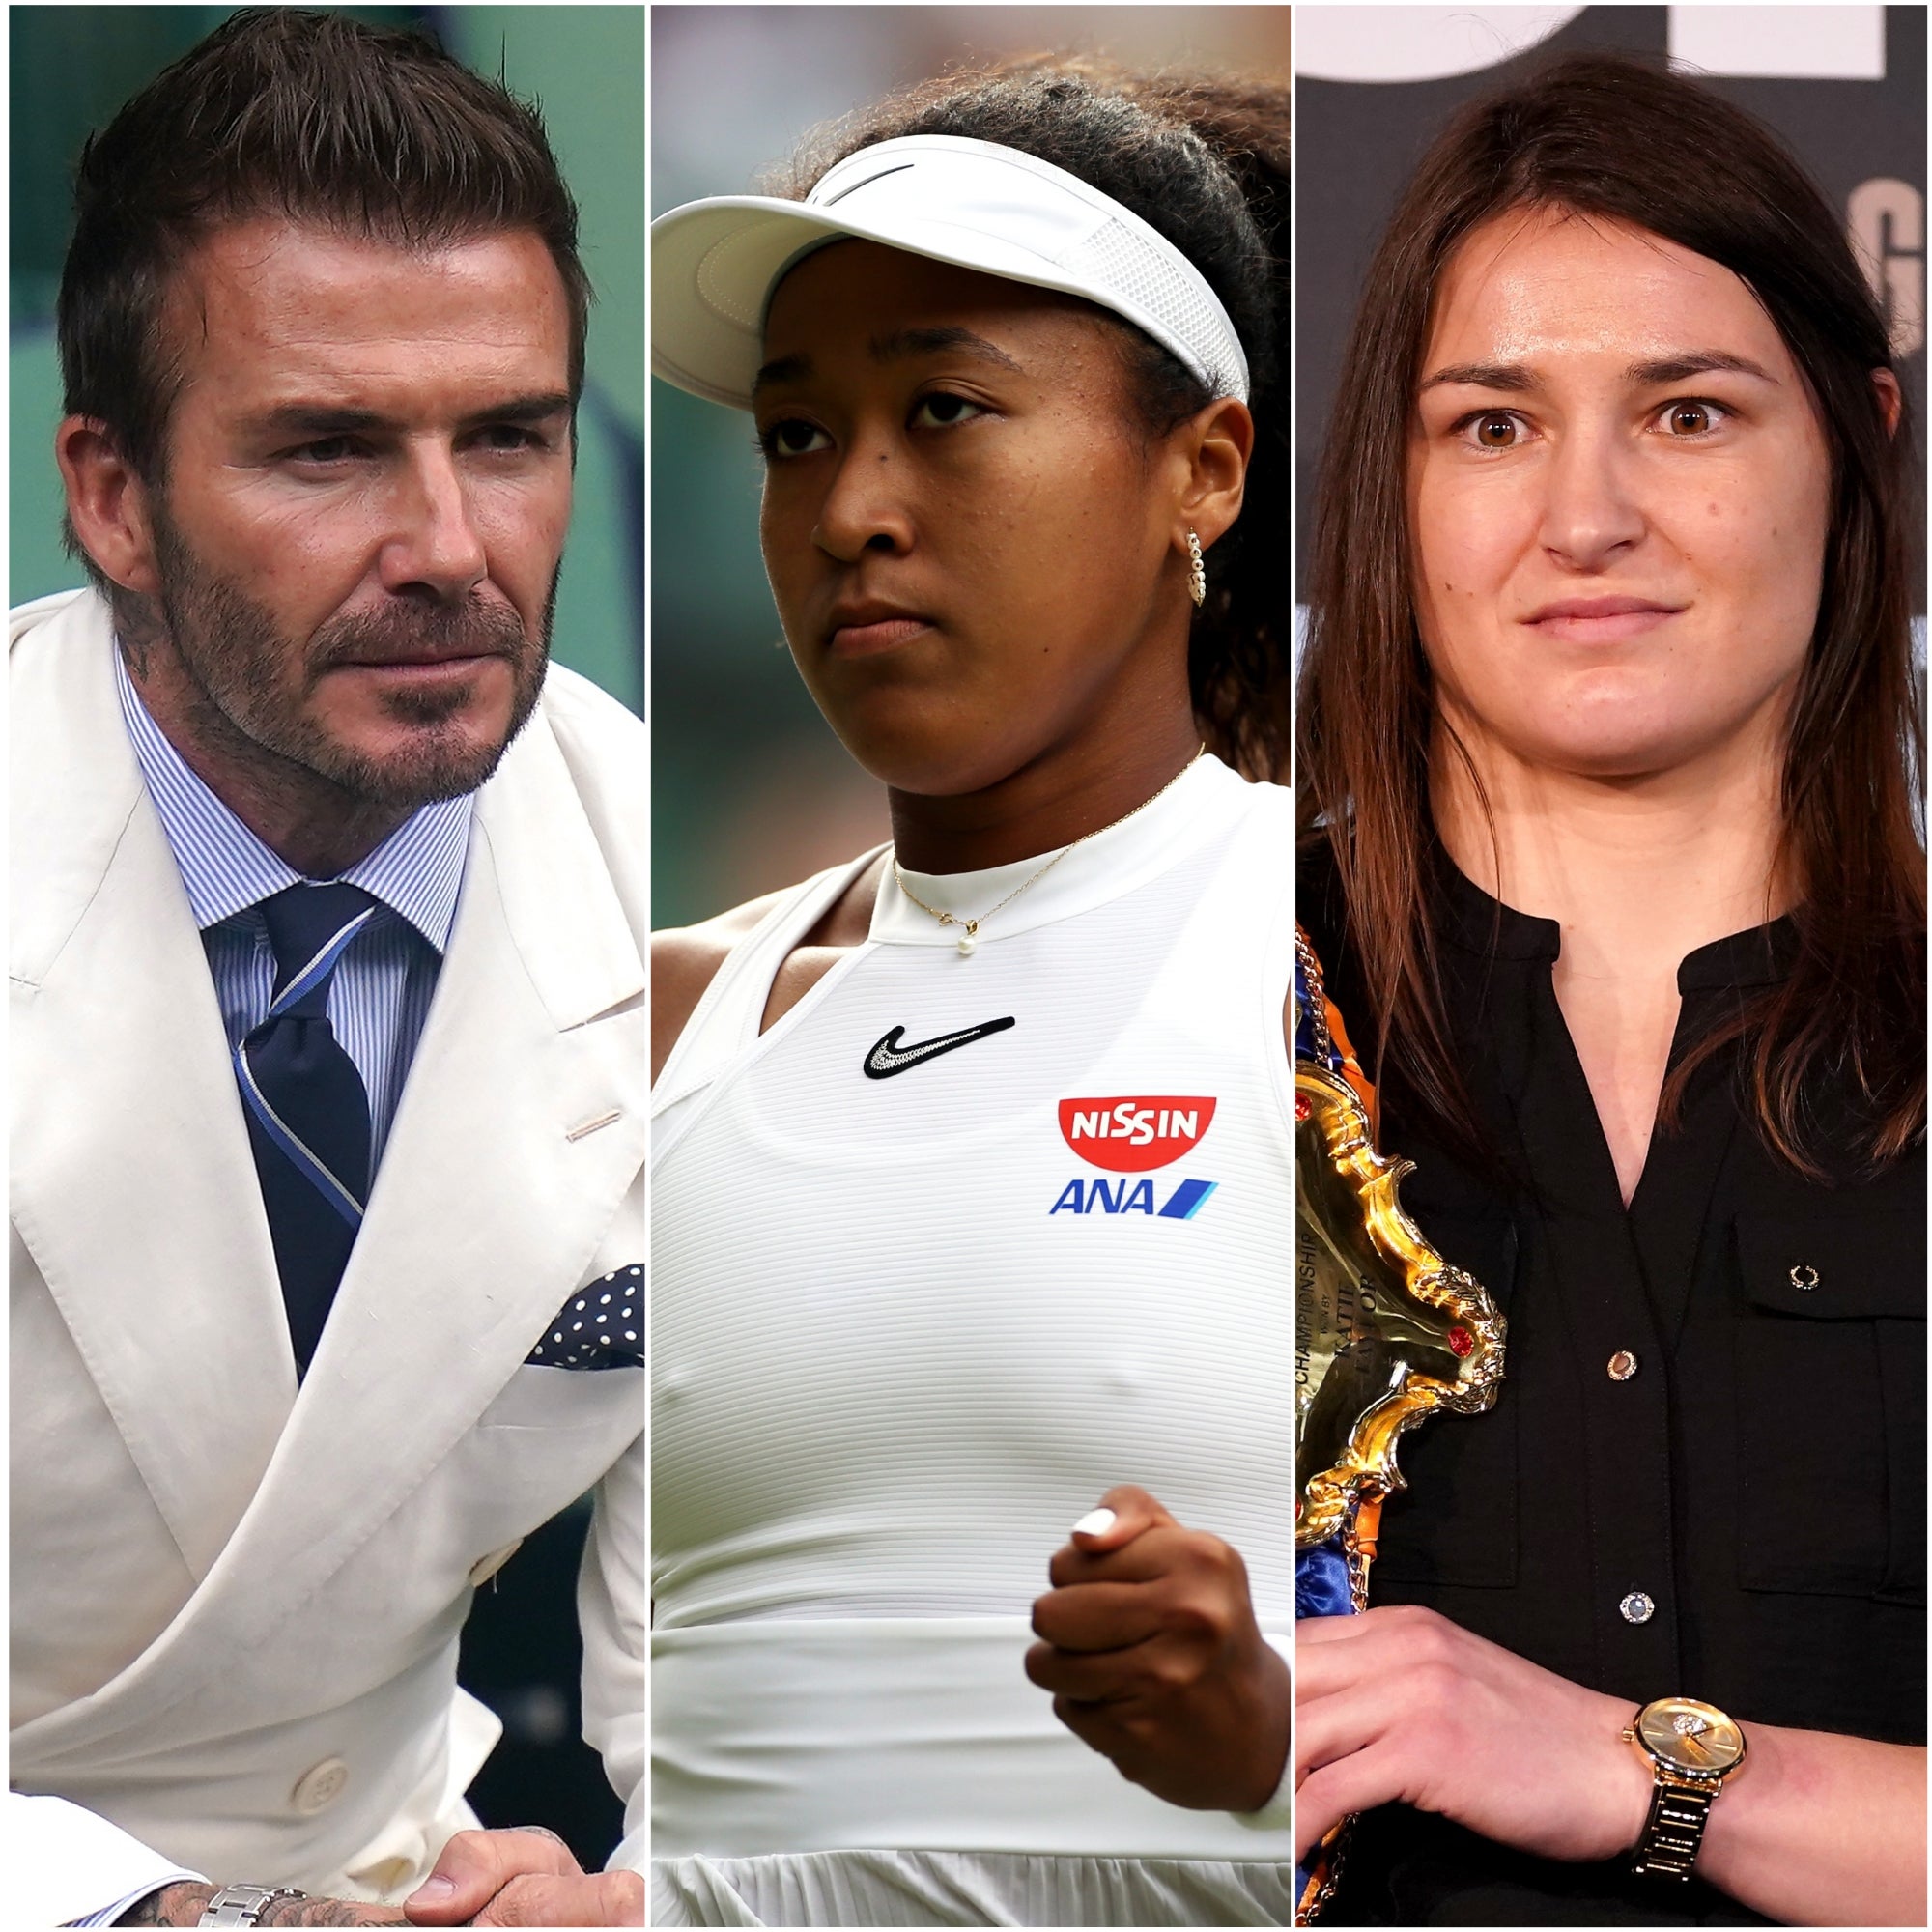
(969,928)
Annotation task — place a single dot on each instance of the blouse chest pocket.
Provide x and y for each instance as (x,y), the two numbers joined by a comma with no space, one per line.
(1830,1354)
(1456,1524)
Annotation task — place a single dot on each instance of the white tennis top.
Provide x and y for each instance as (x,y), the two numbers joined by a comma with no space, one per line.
(956,1245)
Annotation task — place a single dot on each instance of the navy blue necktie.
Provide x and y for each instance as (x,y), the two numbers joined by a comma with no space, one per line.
(307,1109)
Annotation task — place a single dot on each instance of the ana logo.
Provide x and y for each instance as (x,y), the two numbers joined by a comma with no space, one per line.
(1131,1133)
(1135,1197)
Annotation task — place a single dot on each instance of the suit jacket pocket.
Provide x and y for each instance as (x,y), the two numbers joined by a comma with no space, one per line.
(1830,1351)
(553,1399)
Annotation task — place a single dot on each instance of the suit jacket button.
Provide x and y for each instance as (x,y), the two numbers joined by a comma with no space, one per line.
(485,1567)
(320,1786)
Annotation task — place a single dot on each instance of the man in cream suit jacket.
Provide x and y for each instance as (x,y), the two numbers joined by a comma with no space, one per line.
(323,500)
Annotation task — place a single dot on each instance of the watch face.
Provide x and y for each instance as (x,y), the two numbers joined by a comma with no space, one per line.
(1690,1737)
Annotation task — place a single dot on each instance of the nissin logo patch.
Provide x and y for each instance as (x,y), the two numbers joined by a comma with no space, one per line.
(1131,1133)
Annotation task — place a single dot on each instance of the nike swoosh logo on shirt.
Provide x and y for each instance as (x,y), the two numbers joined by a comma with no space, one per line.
(889,1057)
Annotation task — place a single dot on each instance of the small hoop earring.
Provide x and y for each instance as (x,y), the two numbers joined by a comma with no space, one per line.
(1197,571)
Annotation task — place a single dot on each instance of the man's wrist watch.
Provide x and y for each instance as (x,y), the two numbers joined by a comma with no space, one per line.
(1691,1748)
(243,1904)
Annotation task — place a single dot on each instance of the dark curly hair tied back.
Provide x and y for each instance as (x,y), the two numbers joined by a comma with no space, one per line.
(1203,162)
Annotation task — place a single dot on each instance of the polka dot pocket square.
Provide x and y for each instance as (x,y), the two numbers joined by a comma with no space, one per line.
(601,1327)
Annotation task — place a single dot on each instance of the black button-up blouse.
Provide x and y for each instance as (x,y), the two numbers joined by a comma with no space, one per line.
(1705,1472)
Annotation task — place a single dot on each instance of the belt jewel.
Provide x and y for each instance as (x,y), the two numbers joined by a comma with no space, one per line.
(1385,1332)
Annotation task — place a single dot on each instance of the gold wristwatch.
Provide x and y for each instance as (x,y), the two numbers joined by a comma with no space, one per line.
(1692,1747)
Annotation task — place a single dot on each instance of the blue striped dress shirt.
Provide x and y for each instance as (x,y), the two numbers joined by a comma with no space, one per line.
(381,990)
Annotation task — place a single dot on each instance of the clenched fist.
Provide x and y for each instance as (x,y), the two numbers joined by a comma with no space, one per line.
(1150,1647)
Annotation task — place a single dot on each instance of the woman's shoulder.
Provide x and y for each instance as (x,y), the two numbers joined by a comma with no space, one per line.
(685,960)
(686,952)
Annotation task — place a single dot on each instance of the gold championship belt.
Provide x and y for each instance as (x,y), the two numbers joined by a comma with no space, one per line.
(1386,1333)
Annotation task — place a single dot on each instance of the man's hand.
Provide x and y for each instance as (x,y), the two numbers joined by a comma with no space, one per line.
(1150,1647)
(522,1878)
(483,1878)
(1400,1703)
(184,1903)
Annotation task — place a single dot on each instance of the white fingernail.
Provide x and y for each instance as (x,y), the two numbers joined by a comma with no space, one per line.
(1096,1522)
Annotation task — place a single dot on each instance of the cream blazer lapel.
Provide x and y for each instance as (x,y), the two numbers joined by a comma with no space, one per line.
(521,1128)
(133,1187)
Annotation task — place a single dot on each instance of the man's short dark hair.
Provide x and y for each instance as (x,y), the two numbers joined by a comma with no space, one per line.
(311,117)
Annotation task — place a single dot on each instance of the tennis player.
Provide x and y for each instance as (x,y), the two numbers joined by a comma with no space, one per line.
(972,1154)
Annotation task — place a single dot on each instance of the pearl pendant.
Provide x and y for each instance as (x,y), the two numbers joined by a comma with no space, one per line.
(967,944)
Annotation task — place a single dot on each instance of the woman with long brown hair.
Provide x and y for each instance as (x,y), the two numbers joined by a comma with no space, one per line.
(1609,766)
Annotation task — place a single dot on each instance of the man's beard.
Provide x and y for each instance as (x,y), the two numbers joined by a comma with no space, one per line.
(239,663)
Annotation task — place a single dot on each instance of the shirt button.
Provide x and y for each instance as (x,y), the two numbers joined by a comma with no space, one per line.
(1637,1608)
(1622,1366)
(319,1786)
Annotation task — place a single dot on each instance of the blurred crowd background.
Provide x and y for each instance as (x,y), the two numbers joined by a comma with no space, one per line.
(751,790)
(72,68)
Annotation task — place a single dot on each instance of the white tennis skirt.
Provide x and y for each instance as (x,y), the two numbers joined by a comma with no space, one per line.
(902,1771)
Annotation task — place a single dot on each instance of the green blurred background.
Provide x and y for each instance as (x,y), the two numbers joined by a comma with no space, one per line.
(74,66)
(751,790)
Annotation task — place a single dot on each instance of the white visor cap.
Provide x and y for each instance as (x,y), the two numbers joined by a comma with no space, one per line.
(715,262)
